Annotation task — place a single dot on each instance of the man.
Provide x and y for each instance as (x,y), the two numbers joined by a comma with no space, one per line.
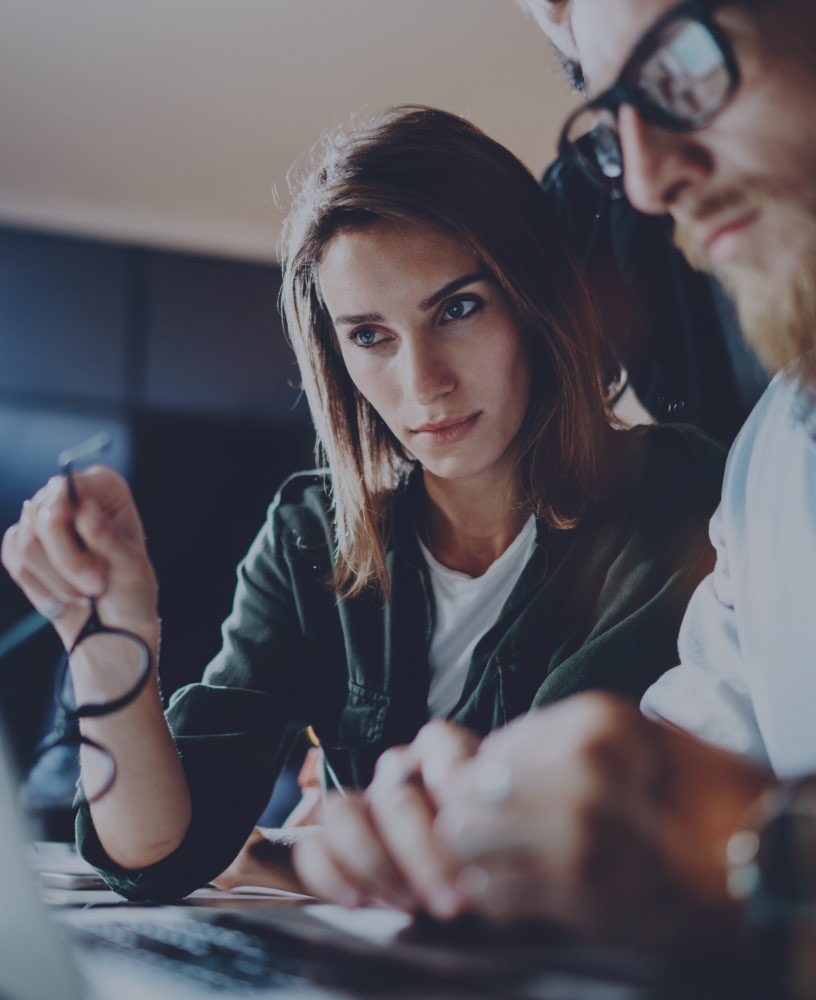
(673,330)
(587,813)
(670,328)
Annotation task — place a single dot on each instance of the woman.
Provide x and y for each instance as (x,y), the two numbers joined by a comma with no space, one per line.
(483,541)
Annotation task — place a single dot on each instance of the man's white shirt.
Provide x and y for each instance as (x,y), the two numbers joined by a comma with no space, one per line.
(747,674)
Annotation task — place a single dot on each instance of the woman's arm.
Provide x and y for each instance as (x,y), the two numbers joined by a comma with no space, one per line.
(60,555)
(232,730)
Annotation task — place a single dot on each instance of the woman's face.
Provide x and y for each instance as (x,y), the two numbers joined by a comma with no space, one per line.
(428,338)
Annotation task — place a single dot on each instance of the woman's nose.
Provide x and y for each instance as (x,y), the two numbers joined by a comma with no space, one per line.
(426,372)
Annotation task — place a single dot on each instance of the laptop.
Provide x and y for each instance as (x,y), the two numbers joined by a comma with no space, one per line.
(35,961)
(277,950)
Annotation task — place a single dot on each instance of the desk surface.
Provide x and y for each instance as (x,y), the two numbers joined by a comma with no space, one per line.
(405,959)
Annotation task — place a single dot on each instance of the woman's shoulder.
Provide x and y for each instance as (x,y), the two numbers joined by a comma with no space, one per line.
(302,507)
(673,445)
(304,488)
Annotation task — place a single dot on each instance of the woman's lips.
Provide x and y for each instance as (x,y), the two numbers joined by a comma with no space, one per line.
(446,431)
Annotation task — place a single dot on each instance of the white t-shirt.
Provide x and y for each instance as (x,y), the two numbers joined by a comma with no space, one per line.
(466,607)
(747,679)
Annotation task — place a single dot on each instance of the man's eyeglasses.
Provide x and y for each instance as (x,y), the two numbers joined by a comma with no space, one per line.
(680,76)
(120,659)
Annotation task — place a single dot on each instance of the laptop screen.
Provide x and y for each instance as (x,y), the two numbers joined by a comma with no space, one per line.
(34,960)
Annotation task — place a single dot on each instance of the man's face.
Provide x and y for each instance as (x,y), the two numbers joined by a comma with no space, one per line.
(742,191)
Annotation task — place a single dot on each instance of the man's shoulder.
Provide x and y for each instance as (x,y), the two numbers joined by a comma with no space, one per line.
(779,426)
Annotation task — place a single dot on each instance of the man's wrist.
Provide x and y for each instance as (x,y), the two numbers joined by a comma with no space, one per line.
(771,863)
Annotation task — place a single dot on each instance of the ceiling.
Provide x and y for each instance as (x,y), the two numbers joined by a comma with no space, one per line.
(171,122)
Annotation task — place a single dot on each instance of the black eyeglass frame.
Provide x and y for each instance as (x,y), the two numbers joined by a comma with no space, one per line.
(623,92)
(94,710)
(65,733)
(68,734)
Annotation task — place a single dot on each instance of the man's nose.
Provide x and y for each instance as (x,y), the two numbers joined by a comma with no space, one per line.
(426,372)
(659,166)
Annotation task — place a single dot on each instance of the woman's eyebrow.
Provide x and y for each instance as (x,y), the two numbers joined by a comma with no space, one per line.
(452,286)
(353,320)
(425,304)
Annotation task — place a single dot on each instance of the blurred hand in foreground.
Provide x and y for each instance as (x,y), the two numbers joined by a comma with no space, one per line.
(585,814)
(592,816)
(379,845)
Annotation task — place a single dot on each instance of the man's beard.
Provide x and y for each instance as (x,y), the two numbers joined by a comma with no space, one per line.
(777,315)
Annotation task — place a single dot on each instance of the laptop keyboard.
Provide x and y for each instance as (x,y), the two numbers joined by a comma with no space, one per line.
(220,957)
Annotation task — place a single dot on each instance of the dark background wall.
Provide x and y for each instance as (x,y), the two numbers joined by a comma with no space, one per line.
(183,360)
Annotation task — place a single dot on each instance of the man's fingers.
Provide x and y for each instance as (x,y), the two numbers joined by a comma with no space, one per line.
(320,874)
(500,892)
(404,818)
(507,891)
(439,748)
(472,830)
(403,797)
(360,854)
(432,758)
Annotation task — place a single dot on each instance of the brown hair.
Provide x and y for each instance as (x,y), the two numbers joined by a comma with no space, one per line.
(428,167)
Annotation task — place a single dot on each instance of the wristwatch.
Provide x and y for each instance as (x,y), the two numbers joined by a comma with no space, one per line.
(771,867)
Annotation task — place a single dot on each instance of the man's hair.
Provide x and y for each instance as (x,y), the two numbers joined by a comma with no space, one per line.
(430,168)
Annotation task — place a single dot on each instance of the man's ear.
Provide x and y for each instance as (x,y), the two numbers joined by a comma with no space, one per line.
(572,70)
(554,19)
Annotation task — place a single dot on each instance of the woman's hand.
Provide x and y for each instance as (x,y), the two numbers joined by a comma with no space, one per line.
(61,556)
(265,860)
(379,845)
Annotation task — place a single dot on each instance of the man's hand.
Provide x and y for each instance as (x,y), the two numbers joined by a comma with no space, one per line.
(379,845)
(590,815)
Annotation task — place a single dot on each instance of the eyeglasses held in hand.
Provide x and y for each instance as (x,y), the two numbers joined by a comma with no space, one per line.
(679,77)
(119,659)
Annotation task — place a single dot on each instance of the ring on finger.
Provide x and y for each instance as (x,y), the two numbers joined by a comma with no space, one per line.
(494,781)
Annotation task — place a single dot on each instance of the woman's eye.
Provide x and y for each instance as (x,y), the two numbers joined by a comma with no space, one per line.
(366,338)
(460,308)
